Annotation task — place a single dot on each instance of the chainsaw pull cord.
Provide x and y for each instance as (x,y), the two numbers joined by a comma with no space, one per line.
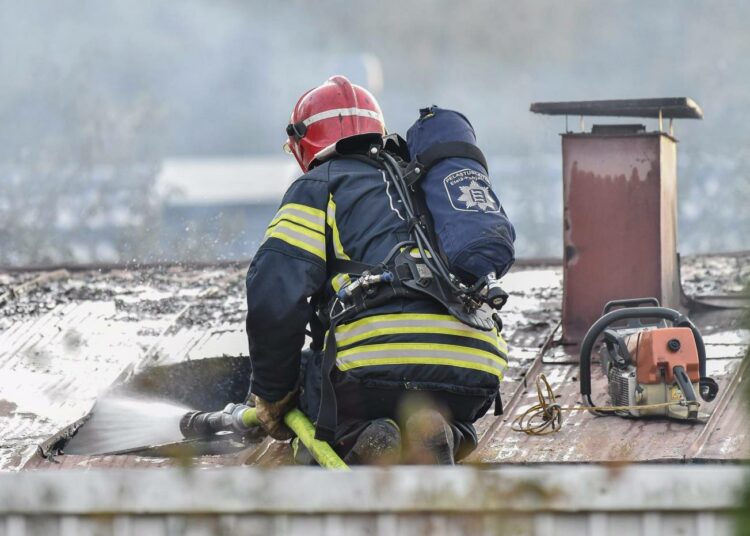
(546,417)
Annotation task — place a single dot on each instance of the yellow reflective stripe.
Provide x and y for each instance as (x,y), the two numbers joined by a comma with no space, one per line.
(420,361)
(340,280)
(414,252)
(433,347)
(338,248)
(299,236)
(310,217)
(393,316)
(398,330)
(283,224)
(417,255)
(420,353)
(394,324)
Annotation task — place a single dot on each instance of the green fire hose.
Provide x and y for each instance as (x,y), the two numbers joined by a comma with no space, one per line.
(241,418)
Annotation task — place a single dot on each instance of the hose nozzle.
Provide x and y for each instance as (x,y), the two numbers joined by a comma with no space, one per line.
(237,418)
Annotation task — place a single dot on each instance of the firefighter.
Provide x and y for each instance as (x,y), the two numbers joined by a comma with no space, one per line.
(407,375)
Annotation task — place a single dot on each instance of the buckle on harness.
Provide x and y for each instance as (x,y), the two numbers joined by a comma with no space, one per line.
(413,172)
(416,271)
(416,276)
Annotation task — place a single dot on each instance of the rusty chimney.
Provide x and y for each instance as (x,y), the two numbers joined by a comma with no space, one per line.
(619,207)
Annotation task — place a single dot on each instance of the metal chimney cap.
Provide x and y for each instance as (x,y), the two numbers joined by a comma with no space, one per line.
(670,108)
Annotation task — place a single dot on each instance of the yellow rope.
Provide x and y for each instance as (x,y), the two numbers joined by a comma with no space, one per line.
(546,416)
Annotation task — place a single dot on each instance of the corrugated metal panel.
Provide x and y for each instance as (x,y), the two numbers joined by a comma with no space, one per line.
(686,500)
(127,320)
(67,338)
(54,366)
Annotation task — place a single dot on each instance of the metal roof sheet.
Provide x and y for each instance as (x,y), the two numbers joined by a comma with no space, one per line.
(64,340)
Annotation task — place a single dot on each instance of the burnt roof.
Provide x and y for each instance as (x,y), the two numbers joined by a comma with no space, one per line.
(66,335)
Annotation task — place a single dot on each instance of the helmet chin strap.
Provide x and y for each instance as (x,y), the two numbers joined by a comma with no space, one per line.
(325,153)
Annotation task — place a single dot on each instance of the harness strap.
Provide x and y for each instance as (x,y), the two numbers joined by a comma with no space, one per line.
(498,404)
(317,330)
(347,266)
(440,151)
(325,426)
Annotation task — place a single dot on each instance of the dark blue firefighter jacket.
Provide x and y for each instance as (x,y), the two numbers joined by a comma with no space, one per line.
(346,208)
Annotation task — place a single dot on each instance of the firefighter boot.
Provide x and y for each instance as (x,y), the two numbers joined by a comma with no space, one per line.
(378,444)
(429,439)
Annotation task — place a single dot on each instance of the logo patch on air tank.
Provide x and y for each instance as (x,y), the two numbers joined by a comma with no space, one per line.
(470,191)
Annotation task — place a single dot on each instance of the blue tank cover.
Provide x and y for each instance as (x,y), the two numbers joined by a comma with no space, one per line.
(472,227)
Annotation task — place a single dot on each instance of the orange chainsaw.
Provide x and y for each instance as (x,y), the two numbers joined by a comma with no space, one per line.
(653,358)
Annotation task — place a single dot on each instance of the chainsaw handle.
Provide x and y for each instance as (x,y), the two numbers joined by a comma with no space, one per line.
(677,319)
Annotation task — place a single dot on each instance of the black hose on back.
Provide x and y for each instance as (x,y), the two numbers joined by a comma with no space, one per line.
(432,260)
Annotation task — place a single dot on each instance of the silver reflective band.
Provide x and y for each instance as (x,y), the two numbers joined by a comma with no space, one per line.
(316,221)
(383,354)
(342,112)
(286,230)
(406,323)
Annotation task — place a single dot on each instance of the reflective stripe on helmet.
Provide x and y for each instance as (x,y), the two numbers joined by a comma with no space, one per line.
(343,112)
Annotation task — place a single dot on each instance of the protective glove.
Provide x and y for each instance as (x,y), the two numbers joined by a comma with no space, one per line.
(255,434)
(271,415)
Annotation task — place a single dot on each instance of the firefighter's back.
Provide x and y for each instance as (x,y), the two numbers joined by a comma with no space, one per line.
(407,344)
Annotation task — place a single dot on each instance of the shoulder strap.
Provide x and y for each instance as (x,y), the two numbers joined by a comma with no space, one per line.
(317,329)
(440,151)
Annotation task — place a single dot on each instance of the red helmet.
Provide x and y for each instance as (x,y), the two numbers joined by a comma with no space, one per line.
(328,113)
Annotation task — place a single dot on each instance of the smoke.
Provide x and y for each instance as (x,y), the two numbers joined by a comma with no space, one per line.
(87,195)
(96,94)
